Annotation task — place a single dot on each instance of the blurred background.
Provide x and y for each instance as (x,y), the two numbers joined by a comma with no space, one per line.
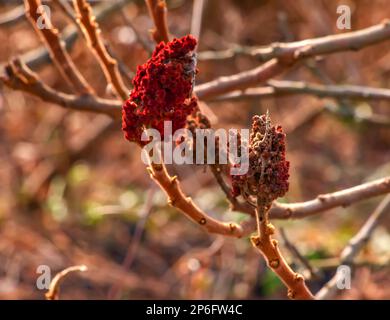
(73,191)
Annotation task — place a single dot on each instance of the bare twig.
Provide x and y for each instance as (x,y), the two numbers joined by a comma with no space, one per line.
(53,293)
(270,250)
(337,92)
(179,200)
(354,40)
(146,43)
(60,57)
(289,54)
(158,12)
(295,252)
(349,113)
(92,33)
(234,203)
(67,9)
(12,16)
(279,88)
(242,80)
(320,204)
(361,238)
(355,245)
(324,202)
(18,76)
(197,14)
(231,53)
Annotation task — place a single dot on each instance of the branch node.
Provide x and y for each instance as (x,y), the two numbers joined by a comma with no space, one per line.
(256,241)
(150,171)
(290,294)
(274,263)
(202,221)
(322,197)
(270,229)
(157,167)
(298,277)
(171,202)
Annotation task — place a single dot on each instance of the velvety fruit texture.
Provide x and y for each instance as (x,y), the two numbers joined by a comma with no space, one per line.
(162,89)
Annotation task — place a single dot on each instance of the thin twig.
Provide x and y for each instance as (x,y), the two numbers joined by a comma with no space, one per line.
(355,245)
(92,33)
(361,238)
(280,88)
(146,43)
(295,252)
(53,293)
(277,88)
(230,53)
(54,44)
(323,202)
(243,79)
(234,203)
(12,16)
(348,112)
(197,14)
(354,40)
(67,9)
(18,76)
(288,55)
(158,12)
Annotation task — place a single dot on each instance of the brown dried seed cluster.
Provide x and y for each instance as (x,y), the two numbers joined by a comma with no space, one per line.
(267,177)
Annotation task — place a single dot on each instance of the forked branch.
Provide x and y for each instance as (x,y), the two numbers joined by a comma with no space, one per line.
(18,76)
(54,44)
